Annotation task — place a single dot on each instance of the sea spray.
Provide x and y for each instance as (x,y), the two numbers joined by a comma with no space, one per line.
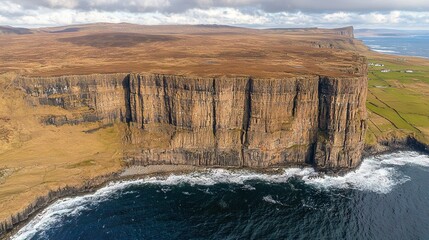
(379,175)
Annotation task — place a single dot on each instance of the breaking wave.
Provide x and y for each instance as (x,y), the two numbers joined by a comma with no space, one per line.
(376,174)
(384,51)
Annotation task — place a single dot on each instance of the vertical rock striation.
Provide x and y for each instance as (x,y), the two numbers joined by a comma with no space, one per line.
(342,125)
(88,98)
(246,122)
(345,31)
(221,121)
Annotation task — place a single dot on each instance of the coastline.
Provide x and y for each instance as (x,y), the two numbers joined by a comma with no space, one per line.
(17,221)
(12,225)
(393,145)
(381,48)
(20,219)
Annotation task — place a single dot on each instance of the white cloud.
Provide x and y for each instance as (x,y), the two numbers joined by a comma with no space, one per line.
(15,14)
(9,8)
(216,16)
(136,4)
(337,17)
(63,3)
(265,5)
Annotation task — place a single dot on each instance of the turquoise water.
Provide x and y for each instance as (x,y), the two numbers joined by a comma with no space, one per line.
(386,198)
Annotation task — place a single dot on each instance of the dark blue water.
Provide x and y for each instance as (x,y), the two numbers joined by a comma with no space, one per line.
(413,45)
(386,198)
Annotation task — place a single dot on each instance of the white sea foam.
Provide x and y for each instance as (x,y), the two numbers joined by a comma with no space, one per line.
(380,47)
(405,158)
(377,174)
(270,199)
(374,46)
(248,187)
(53,214)
(371,176)
(384,51)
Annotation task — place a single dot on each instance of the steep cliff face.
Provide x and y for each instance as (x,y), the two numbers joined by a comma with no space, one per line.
(221,121)
(88,98)
(245,121)
(345,31)
(341,123)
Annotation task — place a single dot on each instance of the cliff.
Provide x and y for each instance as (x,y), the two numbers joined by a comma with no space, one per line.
(345,31)
(219,121)
(176,95)
(87,98)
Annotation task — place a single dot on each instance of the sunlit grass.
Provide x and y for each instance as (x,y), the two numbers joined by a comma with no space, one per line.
(398,97)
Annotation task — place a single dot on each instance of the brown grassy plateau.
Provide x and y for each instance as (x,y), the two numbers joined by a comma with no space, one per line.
(35,159)
(179,50)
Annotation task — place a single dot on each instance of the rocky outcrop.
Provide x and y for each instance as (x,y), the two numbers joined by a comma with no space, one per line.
(87,98)
(220,121)
(246,122)
(394,144)
(345,31)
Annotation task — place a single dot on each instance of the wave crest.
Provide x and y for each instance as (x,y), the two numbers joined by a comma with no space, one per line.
(376,174)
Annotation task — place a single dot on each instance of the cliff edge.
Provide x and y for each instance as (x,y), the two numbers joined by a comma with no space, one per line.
(115,95)
(220,121)
(346,31)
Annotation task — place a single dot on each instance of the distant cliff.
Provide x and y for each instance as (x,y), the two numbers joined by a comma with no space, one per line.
(221,121)
(345,31)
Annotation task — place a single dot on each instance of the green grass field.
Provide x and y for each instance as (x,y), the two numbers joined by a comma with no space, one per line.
(398,101)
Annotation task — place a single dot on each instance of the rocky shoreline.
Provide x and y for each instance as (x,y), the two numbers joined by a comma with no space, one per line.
(154,117)
(15,222)
(392,145)
(11,225)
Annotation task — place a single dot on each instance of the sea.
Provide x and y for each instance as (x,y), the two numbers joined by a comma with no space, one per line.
(387,197)
(415,44)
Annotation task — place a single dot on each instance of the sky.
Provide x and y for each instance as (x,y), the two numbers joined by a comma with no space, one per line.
(397,14)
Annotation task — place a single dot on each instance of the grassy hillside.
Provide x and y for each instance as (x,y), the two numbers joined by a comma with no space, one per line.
(398,100)
(35,159)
